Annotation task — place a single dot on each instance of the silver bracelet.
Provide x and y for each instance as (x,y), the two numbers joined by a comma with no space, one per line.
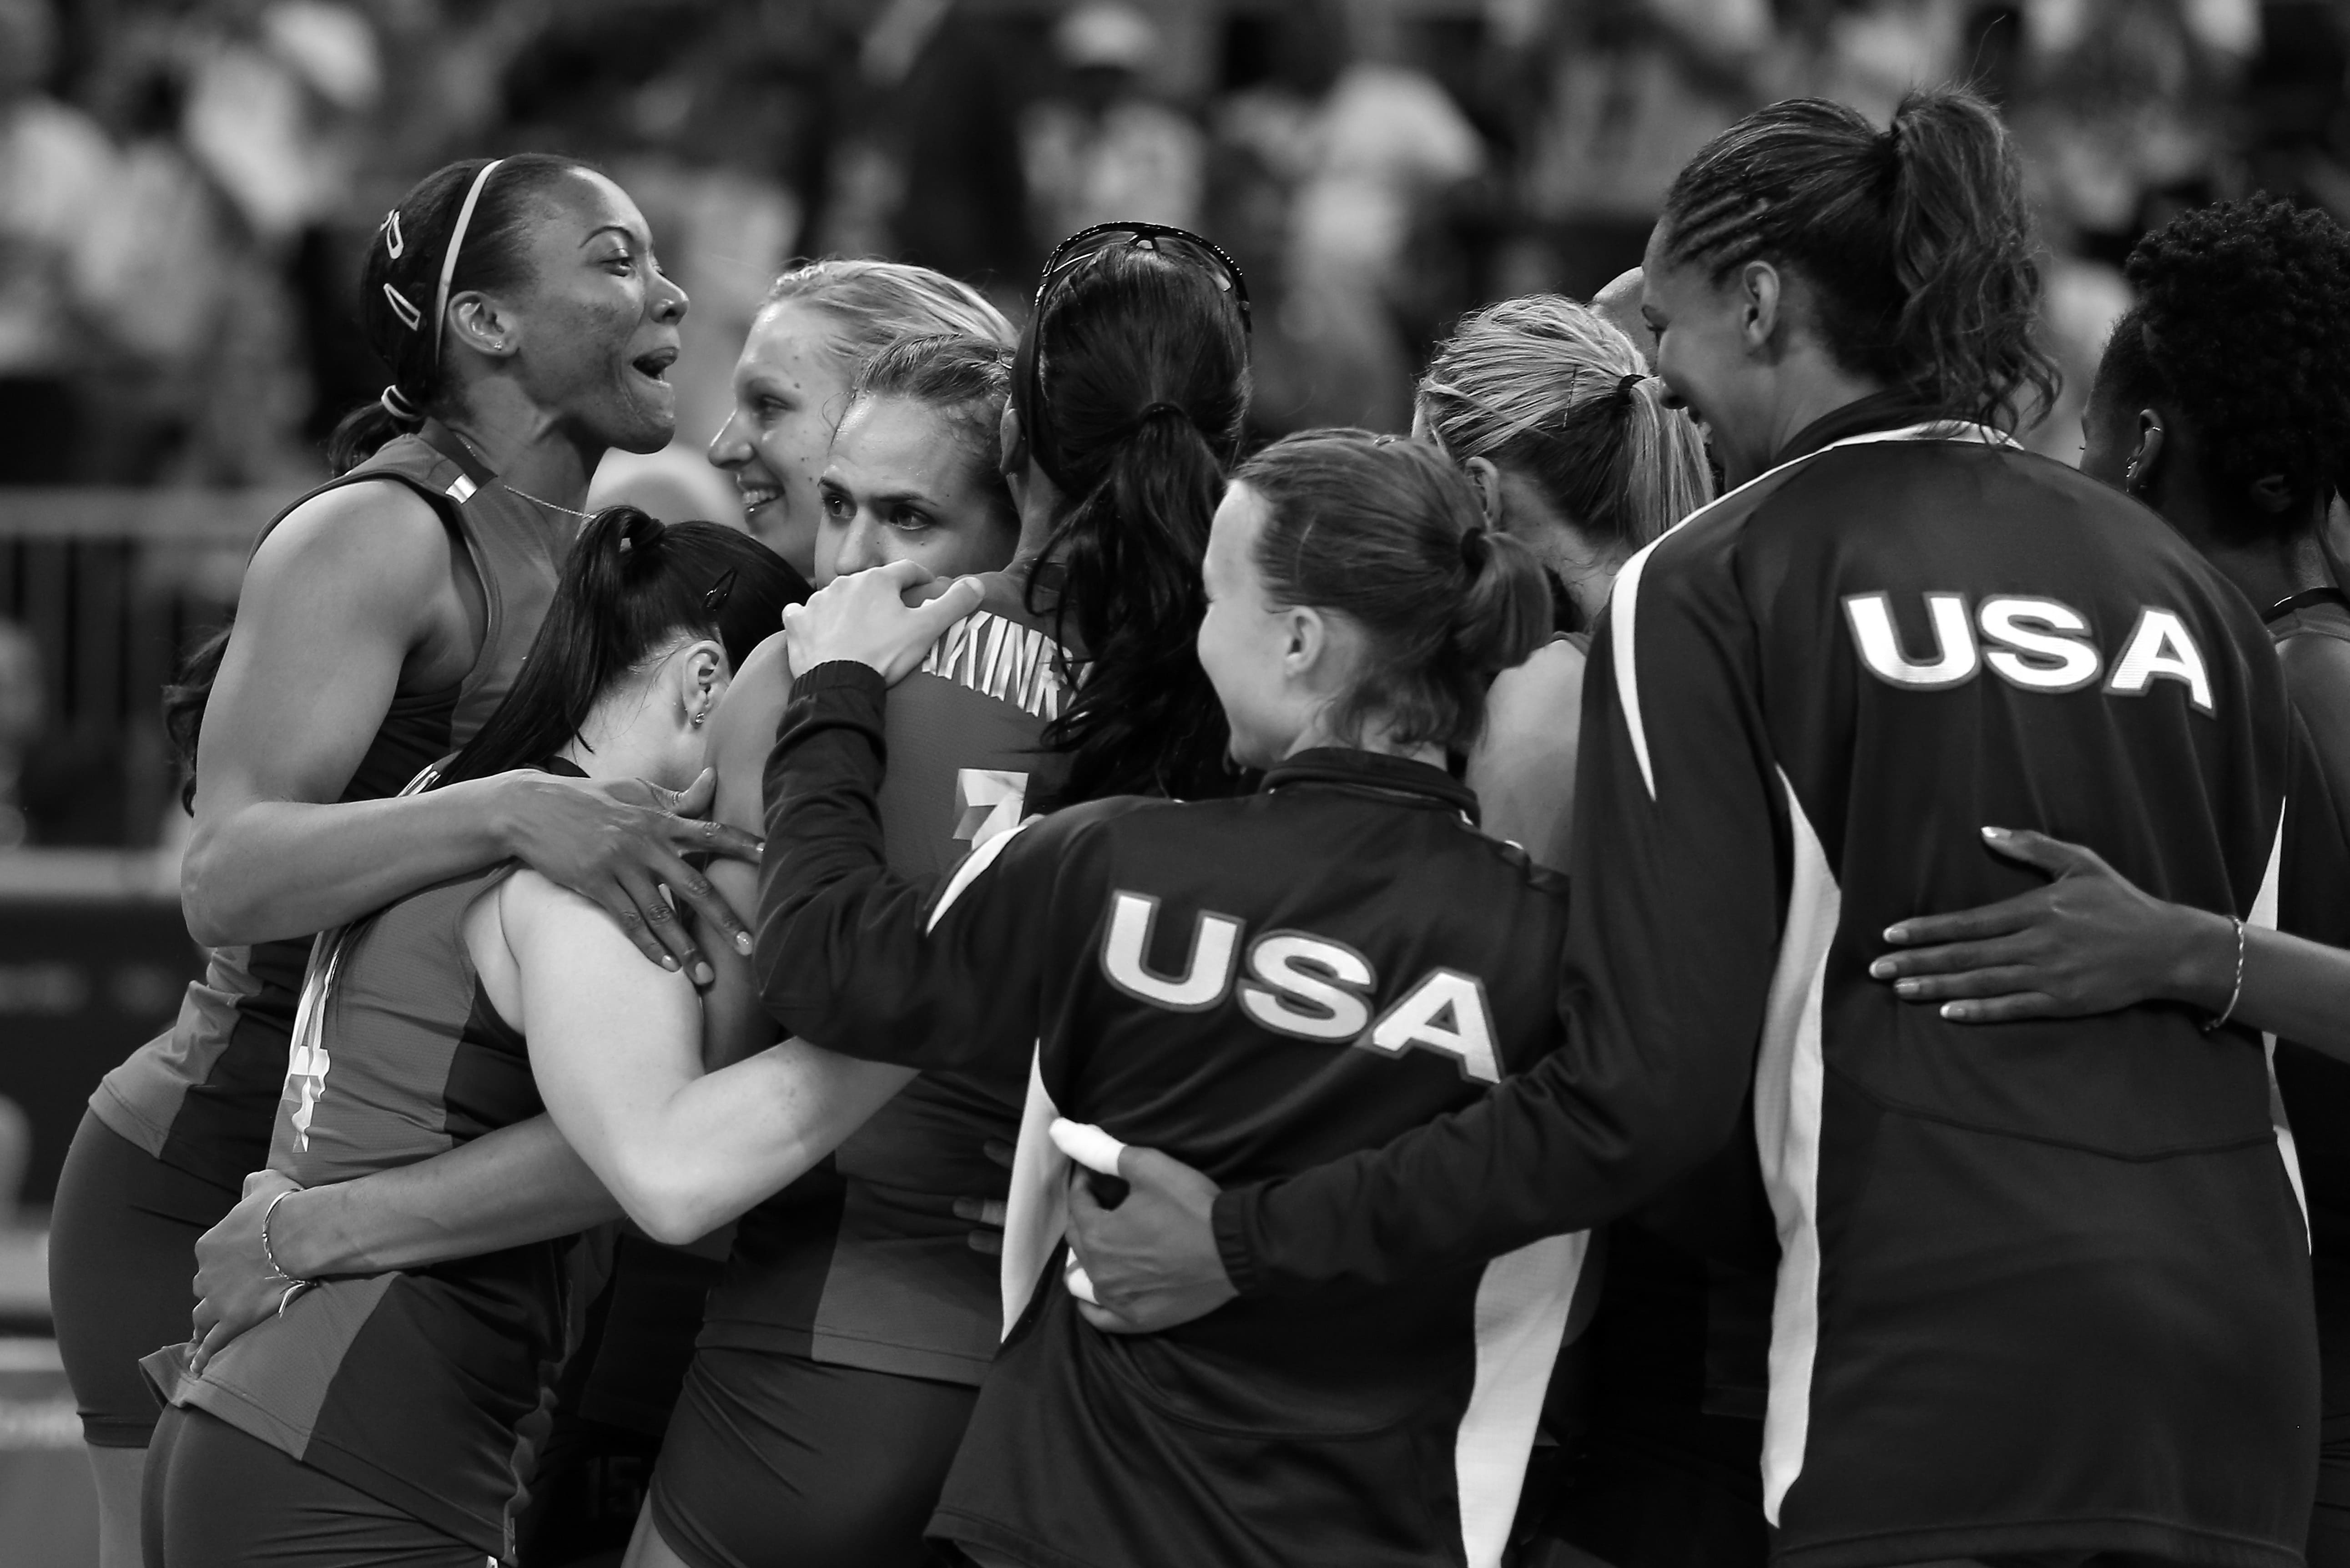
(269,1253)
(2234,995)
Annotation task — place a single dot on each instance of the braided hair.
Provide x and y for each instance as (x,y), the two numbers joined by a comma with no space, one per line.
(402,300)
(1916,242)
(2242,325)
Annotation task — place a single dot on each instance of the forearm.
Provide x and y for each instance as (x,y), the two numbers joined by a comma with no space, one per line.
(271,870)
(509,1188)
(2293,988)
(719,1144)
(1548,1152)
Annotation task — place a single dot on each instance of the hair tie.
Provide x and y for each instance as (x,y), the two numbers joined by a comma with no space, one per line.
(449,257)
(395,403)
(1473,546)
(1625,388)
(1152,412)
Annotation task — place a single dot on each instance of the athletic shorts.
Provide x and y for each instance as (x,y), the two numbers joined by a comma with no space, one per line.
(613,1402)
(773,1461)
(122,1269)
(217,1498)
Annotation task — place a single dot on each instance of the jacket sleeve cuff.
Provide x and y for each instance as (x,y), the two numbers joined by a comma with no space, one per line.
(1230,1216)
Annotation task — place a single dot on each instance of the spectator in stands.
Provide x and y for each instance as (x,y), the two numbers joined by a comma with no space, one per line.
(54,165)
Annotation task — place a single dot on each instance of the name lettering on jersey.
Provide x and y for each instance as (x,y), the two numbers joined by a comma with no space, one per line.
(2034,643)
(1303,985)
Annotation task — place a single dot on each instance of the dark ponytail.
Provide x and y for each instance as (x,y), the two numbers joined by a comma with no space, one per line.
(401,282)
(1142,364)
(1917,241)
(1388,534)
(631,586)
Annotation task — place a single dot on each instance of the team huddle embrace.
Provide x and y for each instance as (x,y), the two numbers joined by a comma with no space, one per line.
(1682,967)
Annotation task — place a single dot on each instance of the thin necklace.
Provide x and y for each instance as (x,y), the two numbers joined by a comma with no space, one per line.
(550,505)
(511,488)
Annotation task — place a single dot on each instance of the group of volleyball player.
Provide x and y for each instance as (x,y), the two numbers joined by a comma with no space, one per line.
(1683,966)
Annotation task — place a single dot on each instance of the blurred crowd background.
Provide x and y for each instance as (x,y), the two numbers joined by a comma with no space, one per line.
(186,187)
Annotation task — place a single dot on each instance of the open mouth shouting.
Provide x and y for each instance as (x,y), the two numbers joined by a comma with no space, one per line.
(654,367)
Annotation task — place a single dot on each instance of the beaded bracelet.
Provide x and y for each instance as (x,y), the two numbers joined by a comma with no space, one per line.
(2236,994)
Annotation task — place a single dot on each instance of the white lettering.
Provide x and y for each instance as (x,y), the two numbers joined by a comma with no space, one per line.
(2038,649)
(1125,948)
(2161,649)
(1311,987)
(1879,642)
(1445,1013)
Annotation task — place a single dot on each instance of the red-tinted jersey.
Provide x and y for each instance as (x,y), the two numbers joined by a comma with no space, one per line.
(200,1096)
(863,1263)
(414,1386)
(2043,1286)
(1253,985)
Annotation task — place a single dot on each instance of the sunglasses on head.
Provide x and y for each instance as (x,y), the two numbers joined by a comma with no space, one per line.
(1162,238)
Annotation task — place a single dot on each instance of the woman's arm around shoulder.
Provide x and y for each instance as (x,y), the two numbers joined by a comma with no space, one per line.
(353,596)
(615,1047)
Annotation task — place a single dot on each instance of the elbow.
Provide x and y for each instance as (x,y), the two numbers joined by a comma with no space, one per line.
(212,919)
(668,1208)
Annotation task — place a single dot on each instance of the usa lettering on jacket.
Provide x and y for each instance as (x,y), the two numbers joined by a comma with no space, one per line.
(1303,985)
(2037,644)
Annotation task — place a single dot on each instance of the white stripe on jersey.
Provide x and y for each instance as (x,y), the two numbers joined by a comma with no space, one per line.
(2264,915)
(977,861)
(1037,1206)
(1790,1080)
(1623,605)
(1623,601)
(1523,1300)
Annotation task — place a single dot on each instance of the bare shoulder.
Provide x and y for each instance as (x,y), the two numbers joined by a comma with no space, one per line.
(742,730)
(377,538)
(1536,695)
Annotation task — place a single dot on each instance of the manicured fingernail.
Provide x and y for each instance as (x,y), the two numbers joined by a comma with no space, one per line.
(1905,988)
(1881,970)
(743,943)
(1955,1011)
(1896,933)
(703,974)
(1994,833)
(668,962)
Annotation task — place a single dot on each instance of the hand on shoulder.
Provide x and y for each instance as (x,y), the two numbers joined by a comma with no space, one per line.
(865,618)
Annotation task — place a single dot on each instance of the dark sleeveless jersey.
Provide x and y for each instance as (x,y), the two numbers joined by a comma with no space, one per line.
(2312,640)
(412,1385)
(199,1097)
(863,1263)
(2042,1287)
(1253,985)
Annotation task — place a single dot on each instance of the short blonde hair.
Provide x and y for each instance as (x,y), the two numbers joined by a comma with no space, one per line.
(1552,391)
(873,304)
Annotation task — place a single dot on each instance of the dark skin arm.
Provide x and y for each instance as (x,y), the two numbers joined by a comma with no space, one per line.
(2091,941)
(358,596)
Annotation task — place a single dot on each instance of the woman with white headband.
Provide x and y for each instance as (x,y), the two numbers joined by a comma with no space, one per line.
(382,617)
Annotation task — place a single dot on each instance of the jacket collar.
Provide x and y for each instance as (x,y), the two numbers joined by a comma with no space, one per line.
(1376,774)
(1877,412)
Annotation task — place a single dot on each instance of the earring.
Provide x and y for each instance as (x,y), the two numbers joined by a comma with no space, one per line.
(698,718)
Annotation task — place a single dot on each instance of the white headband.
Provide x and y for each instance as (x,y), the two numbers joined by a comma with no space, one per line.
(449,257)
